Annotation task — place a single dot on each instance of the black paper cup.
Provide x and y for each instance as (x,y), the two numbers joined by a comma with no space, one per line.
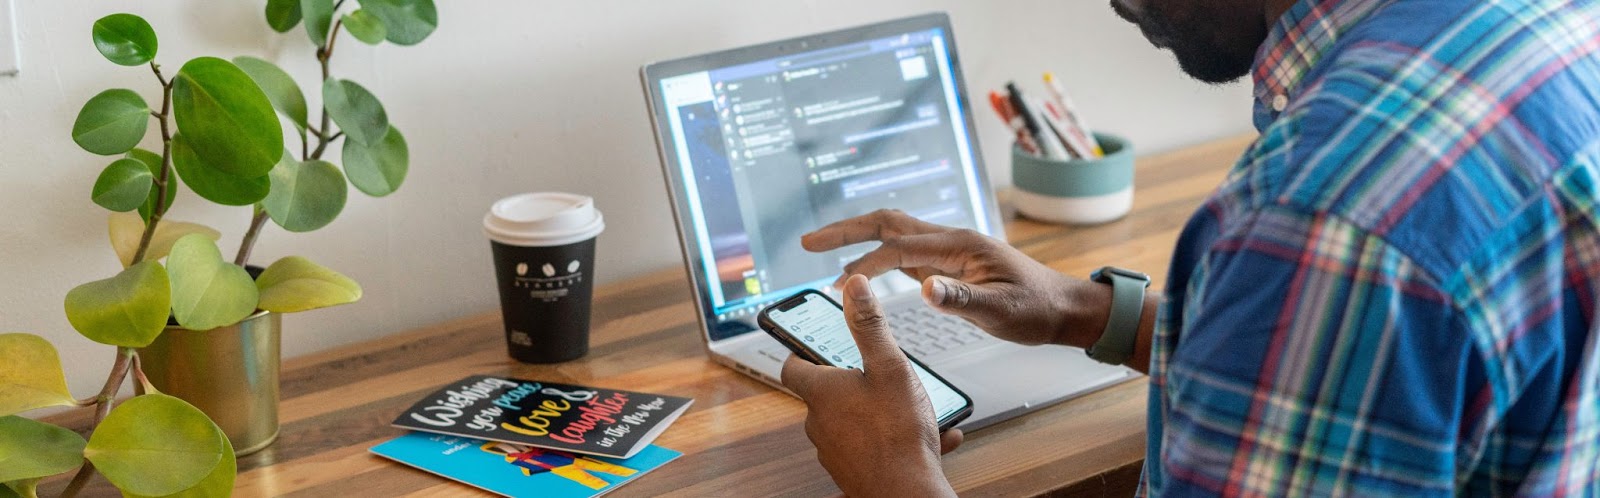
(543,246)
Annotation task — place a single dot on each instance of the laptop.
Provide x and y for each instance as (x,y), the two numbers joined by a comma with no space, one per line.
(762,144)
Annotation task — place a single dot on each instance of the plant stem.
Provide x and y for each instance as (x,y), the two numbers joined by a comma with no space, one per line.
(103,401)
(249,242)
(79,480)
(142,384)
(323,145)
(323,56)
(333,36)
(323,139)
(160,208)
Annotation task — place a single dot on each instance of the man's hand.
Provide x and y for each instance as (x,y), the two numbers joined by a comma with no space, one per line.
(873,428)
(973,276)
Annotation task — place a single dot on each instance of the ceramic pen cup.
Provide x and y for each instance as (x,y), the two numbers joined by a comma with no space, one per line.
(1076,191)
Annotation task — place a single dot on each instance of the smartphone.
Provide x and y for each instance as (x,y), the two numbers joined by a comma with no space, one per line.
(813,326)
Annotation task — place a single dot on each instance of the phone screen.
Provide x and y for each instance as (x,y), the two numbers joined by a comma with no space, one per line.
(820,325)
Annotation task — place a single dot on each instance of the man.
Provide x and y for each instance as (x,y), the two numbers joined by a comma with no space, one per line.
(1393,293)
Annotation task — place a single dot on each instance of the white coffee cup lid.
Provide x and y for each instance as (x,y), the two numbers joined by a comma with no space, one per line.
(543,219)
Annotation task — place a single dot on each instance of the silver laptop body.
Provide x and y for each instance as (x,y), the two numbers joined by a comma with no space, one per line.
(743,130)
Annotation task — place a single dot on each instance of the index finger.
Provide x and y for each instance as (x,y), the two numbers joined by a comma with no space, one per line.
(876,225)
(941,252)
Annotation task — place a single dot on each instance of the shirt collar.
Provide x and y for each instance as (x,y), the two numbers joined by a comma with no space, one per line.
(1294,46)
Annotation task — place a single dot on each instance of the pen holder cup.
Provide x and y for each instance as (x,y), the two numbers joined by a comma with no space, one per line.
(1078,191)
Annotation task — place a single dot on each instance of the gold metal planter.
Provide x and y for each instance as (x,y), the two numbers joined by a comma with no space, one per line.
(230,373)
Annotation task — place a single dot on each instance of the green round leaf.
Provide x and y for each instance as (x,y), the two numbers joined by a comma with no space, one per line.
(32,377)
(218,483)
(365,27)
(279,87)
(10,489)
(295,284)
(208,292)
(127,310)
(359,113)
(152,161)
(407,22)
(112,122)
(305,196)
(31,449)
(319,19)
(123,186)
(214,184)
(155,445)
(125,39)
(380,168)
(226,117)
(283,15)
(126,229)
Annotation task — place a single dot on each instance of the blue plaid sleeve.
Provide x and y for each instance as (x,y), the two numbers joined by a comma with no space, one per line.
(1314,359)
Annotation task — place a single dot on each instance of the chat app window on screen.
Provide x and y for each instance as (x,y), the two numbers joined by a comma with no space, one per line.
(822,328)
(775,149)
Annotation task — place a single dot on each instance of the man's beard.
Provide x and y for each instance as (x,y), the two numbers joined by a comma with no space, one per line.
(1200,54)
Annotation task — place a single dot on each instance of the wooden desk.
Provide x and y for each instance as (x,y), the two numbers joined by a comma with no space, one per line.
(740,438)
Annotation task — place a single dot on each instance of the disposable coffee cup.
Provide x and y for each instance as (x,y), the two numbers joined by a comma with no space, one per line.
(543,247)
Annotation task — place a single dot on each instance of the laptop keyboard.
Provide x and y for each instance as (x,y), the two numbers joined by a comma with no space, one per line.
(921,331)
(928,334)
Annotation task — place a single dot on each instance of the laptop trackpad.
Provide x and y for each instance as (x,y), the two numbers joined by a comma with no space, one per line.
(1012,376)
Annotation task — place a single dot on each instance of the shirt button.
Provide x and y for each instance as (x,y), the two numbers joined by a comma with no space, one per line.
(1280,102)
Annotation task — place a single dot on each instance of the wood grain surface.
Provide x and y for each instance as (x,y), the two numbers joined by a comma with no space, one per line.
(740,438)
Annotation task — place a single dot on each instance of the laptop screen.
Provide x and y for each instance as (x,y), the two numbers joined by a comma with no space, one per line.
(763,151)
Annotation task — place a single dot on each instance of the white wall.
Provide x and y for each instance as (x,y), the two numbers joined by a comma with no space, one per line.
(507,96)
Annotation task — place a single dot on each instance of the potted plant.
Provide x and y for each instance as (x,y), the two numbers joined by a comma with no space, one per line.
(178,303)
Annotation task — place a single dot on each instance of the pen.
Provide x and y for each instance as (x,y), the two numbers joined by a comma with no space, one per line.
(1052,139)
(1031,119)
(1059,93)
(1003,107)
(1070,135)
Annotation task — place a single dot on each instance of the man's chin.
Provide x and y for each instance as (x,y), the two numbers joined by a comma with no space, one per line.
(1159,42)
(1156,38)
(1209,67)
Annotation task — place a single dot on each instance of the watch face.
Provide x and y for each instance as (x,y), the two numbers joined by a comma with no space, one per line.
(1104,275)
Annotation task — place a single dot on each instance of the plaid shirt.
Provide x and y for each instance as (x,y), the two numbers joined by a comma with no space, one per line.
(1394,291)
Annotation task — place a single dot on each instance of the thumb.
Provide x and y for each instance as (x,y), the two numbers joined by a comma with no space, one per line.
(959,298)
(870,327)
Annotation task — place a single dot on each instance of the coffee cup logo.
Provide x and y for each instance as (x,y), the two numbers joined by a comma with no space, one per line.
(548,286)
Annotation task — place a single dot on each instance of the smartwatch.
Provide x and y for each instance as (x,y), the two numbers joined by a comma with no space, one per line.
(1127,309)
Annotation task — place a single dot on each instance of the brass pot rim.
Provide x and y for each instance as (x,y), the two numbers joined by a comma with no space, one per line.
(253,316)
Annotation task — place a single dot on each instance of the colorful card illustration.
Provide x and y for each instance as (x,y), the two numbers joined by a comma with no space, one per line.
(517,470)
(587,420)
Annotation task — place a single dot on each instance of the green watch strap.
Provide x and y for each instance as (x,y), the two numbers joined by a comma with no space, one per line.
(1116,344)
